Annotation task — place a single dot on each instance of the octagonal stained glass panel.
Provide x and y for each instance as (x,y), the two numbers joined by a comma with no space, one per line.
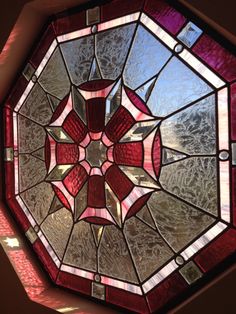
(120,153)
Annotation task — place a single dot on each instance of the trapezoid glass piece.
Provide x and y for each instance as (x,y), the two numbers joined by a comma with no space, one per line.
(120,153)
(144,63)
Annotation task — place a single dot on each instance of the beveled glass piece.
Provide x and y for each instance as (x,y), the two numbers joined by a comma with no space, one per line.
(189,34)
(113,101)
(111,49)
(113,204)
(169,156)
(38,200)
(96,153)
(146,217)
(36,106)
(28,71)
(177,222)
(198,180)
(94,72)
(191,272)
(59,134)
(56,205)
(148,250)
(40,153)
(54,225)
(145,90)
(31,235)
(93,16)
(97,233)
(98,291)
(78,56)
(8,154)
(79,104)
(59,172)
(54,78)
(185,86)
(139,131)
(145,63)
(112,253)
(81,250)
(224,155)
(193,130)
(54,102)
(233,148)
(139,177)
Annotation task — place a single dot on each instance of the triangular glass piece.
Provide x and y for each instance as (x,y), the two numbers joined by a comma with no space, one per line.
(97,233)
(79,104)
(139,177)
(139,131)
(39,154)
(146,217)
(81,201)
(56,205)
(113,101)
(53,101)
(59,134)
(170,156)
(145,90)
(59,172)
(113,204)
(94,72)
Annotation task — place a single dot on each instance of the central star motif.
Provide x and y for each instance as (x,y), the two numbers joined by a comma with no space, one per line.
(103,153)
(96,153)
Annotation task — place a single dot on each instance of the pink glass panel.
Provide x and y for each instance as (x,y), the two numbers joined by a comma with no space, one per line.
(217,57)
(156,153)
(96,114)
(74,127)
(96,192)
(8,134)
(168,17)
(66,24)
(233,187)
(61,197)
(9,179)
(137,101)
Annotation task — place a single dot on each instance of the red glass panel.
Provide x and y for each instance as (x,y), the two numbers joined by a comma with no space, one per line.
(98,221)
(217,57)
(17,91)
(168,17)
(96,192)
(67,153)
(118,181)
(47,153)
(8,134)
(138,205)
(9,179)
(126,299)
(61,197)
(137,101)
(46,259)
(74,127)
(217,251)
(74,282)
(21,217)
(157,153)
(43,46)
(119,124)
(130,154)
(168,289)
(233,110)
(75,179)
(95,85)
(233,187)
(96,114)
(65,24)
(118,8)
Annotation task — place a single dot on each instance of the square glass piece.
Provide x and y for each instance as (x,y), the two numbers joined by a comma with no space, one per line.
(98,291)
(93,16)
(189,34)
(191,272)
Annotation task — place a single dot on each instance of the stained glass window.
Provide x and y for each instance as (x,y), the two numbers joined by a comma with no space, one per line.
(120,153)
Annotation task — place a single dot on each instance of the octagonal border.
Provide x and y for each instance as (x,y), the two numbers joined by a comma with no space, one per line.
(221,232)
